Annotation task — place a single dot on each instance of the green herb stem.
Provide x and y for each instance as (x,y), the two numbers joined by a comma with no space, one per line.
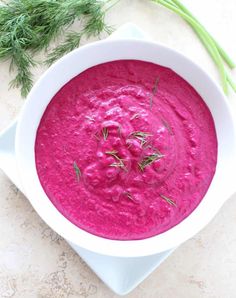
(213,55)
(231,82)
(135,116)
(154,91)
(222,52)
(141,136)
(149,159)
(105,133)
(167,126)
(90,118)
(172,3)
(119,130)
(97,136)
(120,162)
(129,196)
(113,4)
(72,41)
(210,45)
(117,164)
(168,200)
(77,171)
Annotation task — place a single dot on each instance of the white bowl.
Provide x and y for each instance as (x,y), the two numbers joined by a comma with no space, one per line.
(222,186)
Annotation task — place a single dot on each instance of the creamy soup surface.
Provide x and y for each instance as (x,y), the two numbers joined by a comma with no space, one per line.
(126,150)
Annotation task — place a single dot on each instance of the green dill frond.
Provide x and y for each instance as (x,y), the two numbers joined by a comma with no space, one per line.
(149,159)
(119,162)
(77,170)
(27,27)
(168,200)
(71,42)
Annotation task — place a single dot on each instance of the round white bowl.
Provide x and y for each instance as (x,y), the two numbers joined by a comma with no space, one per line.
(221,188)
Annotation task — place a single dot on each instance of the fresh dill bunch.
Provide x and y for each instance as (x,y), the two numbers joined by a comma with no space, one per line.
(27,27)
(71,42)
(94,25)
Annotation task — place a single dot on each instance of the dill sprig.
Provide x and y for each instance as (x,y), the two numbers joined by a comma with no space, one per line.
(167,126)
(113,153)
(94,26)
(105,133)
(90,118)
(77,171)
(97,136)
(120,162)
(154,91)
(129,196)
(27,27)
(117,164)
(141,136)
(119,130)
(72,41)
(149,159)
(168,200)
(135,116)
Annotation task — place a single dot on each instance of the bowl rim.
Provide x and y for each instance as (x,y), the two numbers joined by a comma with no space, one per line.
(130,248)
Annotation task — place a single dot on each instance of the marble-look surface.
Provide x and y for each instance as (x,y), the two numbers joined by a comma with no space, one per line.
(36,262)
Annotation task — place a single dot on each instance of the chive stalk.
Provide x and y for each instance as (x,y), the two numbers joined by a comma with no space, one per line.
(222,52)
(216,52)
(209,44)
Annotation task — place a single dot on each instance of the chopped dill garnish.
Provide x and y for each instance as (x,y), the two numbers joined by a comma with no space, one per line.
(135,116)
(168,200)
(154,91)
(113,153)
(129,196)
(149,159)
(105,133)
(141,136)
(129,144)
(117,164)
(167,126)
(120,162)
(90,118)
(77,171)
(119,130)
(97,136)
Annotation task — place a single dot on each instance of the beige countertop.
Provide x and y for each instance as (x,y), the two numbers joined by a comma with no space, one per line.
(36,262)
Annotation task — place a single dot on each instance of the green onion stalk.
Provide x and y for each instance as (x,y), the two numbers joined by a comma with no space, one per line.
(217,53)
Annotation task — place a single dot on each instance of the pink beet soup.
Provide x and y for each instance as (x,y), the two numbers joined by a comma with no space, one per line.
(126,150)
